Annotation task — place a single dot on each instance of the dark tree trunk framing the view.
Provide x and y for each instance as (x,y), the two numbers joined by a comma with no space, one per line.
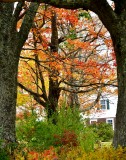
(113,20)
(11,43)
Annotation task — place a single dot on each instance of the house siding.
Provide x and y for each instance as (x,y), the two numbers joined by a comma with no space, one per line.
(101,120)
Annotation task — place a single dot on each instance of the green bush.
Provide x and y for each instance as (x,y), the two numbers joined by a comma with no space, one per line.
(33,134)
(40,135)
(3,155)
(103,131)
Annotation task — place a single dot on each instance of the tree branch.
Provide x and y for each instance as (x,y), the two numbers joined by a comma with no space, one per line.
(80,91)
(95,102)
(17,11)
(43,89)
(27,23)
(71,4)
(105,13)
(91,84)
(36,96)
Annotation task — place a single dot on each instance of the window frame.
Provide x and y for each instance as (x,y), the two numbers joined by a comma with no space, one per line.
(104,104)
(110,119)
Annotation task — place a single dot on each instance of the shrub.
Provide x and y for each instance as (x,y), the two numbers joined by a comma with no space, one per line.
(35,135)
(3,155)
(40,135)
(77,153)
(68,138)
(50,154)
(100,154)
(103,131)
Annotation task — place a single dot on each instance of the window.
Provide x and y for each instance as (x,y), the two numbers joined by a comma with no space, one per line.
(110,121)
(104,104)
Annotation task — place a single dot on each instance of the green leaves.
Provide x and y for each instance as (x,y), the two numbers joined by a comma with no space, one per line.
(84,14)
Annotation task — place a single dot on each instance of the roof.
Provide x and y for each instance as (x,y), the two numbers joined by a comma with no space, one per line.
(103,114)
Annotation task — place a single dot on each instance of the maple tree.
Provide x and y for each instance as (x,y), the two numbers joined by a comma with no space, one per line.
(68,68)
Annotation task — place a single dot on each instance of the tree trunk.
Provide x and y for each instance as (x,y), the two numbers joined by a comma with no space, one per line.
(119,42)
(54,93)
(11,43)
(8,75)
(8,94)
(54,89)
(115,22)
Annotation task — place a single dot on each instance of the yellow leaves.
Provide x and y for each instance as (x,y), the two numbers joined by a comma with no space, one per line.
(102,153)
(42,55)
(22,98)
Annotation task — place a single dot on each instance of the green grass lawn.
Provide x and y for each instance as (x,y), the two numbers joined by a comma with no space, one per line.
(103,144)
(106,144)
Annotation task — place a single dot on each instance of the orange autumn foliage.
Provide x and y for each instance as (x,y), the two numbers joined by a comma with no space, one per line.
(83,48)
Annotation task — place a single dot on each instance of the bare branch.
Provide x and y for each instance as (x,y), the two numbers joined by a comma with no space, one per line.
(36,96)
(27,23)
(94,103)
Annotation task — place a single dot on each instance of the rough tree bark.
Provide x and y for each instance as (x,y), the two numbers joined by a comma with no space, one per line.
(8,73)
(11,43)
(119,42)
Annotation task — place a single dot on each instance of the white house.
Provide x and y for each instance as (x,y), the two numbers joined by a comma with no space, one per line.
(106,113)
